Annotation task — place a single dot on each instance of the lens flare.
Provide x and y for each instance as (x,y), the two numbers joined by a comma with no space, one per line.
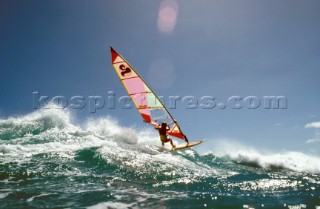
(167,17)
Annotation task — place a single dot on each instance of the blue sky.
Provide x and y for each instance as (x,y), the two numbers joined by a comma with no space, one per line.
(208,48)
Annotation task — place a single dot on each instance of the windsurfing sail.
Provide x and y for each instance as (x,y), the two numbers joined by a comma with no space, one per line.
(146,101)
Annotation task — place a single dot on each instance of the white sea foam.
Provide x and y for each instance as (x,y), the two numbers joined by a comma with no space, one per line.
(295,161)
(111,205)
(59,117)
(138,199)
(3,195)
(41,195)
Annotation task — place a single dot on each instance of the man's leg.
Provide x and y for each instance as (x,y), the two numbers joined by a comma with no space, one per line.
(172,143)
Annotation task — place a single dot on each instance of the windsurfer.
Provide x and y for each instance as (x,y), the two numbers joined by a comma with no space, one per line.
(163,128)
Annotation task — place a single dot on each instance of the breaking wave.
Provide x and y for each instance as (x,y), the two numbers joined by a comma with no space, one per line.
(290,160)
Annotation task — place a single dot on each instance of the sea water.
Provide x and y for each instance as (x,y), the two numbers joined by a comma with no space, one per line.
(47,161)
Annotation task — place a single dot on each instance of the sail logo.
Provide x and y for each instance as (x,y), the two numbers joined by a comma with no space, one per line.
(125,71)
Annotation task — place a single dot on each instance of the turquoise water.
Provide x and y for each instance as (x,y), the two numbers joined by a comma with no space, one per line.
(46,161)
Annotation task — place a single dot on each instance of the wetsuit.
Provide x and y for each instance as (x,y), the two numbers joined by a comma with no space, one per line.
(163,134)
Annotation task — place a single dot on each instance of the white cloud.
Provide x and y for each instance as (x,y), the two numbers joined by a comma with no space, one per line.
(312,125)
(314,140)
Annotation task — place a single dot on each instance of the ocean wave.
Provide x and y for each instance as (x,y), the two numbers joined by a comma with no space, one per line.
(53,131)
(290,160)
(35,123)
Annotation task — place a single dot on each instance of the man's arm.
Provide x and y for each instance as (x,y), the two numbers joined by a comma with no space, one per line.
(156,126)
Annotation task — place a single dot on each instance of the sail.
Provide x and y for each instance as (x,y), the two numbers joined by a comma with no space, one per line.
(146,101)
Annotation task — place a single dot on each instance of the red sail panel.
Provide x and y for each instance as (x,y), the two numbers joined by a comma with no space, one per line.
(176,132)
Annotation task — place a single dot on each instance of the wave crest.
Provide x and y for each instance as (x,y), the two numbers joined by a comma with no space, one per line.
(34,123)
(294,161)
